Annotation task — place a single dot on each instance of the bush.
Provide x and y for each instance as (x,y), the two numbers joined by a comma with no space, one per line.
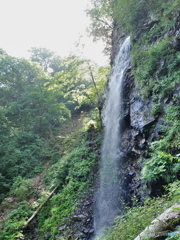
(157,109)
(161,166)
(15,221)
(73,173)
(22,188)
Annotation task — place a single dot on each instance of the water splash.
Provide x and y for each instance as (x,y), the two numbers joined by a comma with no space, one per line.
(108,197)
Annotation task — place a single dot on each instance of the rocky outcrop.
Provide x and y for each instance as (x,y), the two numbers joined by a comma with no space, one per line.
(80,224)
(140,128)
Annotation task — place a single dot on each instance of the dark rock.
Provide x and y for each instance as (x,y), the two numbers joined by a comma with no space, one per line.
(151,24)
(136,151)
(137,107)
(62,227)
(91,230)
(131,173)
(80,235)
(145,154)
(87,203)
(85,230)
(47,235)
(78,217)
(176,43)
(57,237)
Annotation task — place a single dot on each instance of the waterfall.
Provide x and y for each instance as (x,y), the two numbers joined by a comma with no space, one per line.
(107,205)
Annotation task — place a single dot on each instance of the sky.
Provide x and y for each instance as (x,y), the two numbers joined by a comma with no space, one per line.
(57,25)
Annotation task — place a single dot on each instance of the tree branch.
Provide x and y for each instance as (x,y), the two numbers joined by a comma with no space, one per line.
(38,209)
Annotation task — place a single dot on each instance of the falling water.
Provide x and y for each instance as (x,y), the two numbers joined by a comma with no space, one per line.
(108,197)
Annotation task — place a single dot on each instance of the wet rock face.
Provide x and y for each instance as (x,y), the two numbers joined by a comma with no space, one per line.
(140,129)
(117,39)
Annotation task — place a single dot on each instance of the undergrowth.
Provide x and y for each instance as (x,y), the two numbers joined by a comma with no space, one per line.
(73,174)
(136,219)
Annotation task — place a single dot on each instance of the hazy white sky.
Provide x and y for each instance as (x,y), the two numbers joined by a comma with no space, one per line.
(52,24)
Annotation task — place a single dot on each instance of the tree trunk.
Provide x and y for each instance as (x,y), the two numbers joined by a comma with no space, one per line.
(38,209)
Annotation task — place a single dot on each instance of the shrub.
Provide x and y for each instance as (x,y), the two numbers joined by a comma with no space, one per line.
(157,109)
(15,221)
(160,166)
(22,188)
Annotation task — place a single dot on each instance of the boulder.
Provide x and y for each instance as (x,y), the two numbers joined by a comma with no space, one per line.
(79,217)
(62,227)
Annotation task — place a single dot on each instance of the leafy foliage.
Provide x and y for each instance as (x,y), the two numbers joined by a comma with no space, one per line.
(131,15)
(22,188)
(164,162)
(43,56)
(23,154)
(136,219)
(161,166)
(101,15)
(36,98)
(73,173)
(15,221)
(156,72)
(152,26)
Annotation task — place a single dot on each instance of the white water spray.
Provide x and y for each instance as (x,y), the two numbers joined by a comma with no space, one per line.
(108,197)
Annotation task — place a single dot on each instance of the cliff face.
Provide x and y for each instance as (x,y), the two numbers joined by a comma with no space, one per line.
(151,116)
(151,89)
(151,101)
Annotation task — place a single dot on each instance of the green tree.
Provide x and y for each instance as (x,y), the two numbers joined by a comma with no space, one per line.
(102,22)
(29,112)
(25,97)
(47,59)
(43,56)
(72,81)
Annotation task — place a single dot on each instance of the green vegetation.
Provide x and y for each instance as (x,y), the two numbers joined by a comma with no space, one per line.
(132,17)
(101,15)
(154,28)
(157,75)
(136,219)
(40,97)
(165,162)
(15,221)
(156,69)
(38,100)
(22,188)
(73,174)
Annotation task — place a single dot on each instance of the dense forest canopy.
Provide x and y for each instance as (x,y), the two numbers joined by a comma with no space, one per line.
(37,96)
